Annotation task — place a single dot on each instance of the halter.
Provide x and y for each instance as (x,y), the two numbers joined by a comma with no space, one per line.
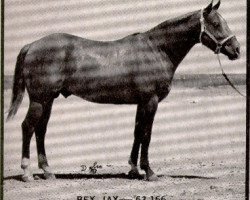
(219,44)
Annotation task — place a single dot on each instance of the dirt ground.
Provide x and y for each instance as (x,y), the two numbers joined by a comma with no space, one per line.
(197,149)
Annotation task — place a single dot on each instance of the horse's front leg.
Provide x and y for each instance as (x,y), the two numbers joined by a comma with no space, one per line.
(146,122)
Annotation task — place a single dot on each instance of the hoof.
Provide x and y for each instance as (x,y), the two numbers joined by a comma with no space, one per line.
(49,175)
(153,177)
(27,178)
(134,174)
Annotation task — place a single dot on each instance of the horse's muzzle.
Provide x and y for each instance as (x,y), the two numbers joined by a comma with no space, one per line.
(232,49)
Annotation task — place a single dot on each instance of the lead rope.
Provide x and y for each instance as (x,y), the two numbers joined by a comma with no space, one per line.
(226,77)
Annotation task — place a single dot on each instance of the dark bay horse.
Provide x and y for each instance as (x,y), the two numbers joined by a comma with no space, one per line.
(137,69)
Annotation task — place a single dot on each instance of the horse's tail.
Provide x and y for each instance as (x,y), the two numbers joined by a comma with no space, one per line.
(18,84)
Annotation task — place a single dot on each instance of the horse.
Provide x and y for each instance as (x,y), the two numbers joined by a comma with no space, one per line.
(137,69)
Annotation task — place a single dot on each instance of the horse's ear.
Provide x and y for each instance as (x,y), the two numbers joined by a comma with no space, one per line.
(209,8)
(217,6)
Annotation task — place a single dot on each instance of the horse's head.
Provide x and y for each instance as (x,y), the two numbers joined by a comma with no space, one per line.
(215,33)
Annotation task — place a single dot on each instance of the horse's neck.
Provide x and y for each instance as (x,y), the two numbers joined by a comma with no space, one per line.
(176,37)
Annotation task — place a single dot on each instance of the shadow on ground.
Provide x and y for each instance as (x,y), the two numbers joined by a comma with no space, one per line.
(104,176)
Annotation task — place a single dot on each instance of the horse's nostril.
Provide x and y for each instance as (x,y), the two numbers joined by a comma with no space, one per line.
(238,50)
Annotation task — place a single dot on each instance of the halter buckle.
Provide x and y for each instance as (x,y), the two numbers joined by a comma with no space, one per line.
(218,48)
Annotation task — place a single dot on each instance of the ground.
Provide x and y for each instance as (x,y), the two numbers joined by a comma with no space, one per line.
(197,149)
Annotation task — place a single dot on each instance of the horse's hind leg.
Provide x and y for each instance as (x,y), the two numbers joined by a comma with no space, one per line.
(28,126)
(134,173)
(40,132)
(146,121)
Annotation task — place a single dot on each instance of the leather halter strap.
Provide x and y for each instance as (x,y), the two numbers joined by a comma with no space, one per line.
(219,44)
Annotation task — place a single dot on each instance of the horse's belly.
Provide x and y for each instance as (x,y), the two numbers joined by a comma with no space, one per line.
(119,96)
(126,94)
(120,89)
(104,90)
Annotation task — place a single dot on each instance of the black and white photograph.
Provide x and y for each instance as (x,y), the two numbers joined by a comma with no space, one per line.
(124,100)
